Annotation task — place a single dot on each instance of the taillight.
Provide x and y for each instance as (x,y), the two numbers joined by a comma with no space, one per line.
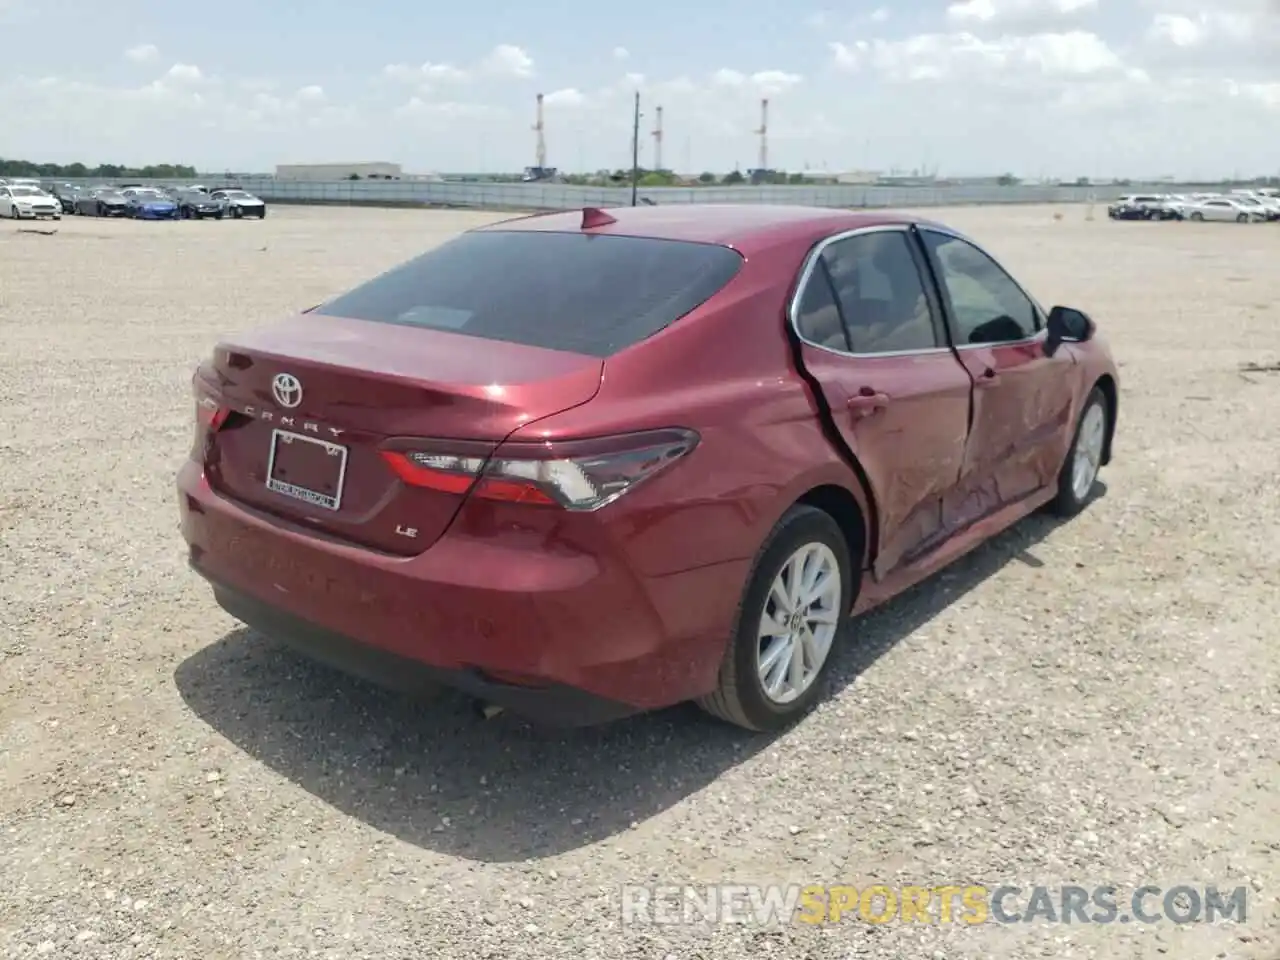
(580,475)
(209,415)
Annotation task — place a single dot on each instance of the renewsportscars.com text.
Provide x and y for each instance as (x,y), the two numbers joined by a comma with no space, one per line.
(773,905)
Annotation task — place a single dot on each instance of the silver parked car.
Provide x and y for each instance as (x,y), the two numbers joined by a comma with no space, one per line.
(1225,209)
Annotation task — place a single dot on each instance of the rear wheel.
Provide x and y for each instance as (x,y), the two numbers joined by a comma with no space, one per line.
(1242,218)
(1197,216)
(1079,472)
(794,607)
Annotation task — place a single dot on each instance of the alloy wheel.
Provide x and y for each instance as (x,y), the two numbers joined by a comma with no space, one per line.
(1088,455)
(798,623)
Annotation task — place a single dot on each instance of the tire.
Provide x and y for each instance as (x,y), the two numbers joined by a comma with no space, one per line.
(237,213)
(1072,497)
(1198,217)
(740,697)
(1242,218)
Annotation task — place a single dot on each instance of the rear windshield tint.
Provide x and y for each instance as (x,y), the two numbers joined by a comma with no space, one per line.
(582,293)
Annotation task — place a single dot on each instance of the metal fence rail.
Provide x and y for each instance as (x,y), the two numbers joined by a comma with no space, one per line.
(534,196)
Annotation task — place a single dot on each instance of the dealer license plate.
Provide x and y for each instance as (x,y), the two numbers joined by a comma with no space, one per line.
(307,469)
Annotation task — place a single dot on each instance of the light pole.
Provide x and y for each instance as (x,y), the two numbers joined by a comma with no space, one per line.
(635,151)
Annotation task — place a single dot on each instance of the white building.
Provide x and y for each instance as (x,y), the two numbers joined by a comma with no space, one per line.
(338,171)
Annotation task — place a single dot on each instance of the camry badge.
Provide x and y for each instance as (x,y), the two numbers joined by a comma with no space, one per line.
(287,389)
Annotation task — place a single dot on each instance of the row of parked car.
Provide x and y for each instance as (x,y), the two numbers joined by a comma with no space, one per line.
(1238,206)
(34,199)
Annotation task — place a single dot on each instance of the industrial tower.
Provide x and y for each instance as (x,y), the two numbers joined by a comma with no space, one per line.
(657,140)
(541,143)
(763,133)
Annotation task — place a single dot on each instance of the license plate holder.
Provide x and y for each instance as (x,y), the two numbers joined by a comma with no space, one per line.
(294,453)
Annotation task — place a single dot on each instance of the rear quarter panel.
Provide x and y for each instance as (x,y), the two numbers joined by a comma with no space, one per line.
(726,371)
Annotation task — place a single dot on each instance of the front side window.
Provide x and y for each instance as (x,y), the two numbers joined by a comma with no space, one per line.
(986,305)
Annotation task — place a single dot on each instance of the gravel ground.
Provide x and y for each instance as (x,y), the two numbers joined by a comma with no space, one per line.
(1092,703)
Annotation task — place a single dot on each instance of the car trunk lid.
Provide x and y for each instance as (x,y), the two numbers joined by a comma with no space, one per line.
(306,406)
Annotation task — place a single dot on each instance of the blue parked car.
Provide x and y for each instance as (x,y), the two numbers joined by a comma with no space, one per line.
(148,203)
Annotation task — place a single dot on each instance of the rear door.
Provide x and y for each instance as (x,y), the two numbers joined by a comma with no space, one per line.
(1022,402)
(872,336)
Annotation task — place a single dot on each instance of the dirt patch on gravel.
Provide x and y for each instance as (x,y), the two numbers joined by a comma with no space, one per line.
(1092,703)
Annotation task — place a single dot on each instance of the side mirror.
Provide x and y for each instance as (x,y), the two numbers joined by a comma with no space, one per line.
(1067,325)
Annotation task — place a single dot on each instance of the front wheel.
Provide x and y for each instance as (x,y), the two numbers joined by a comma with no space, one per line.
(1242,218)
(795,605)
(1079,472)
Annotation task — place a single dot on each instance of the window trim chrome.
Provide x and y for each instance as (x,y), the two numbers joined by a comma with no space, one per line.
(806,274)
(1041,315)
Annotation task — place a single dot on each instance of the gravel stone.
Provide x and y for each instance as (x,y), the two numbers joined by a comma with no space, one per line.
(1092,702)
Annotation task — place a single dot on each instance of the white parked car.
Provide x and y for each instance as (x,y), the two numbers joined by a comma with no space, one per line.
(1225,209)
(22,202)
(1250,198)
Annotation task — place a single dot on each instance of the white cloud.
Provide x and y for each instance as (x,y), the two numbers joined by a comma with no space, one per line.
(965,56)
(445,110)
(621,53)
(143,53)
(773,82)
(1027,14)
(185,73)
(848,57)
(1231,32)
(767,82)
(879,15)
(313,93)
(507,60)
(504,60)
(568,97)
(428,73)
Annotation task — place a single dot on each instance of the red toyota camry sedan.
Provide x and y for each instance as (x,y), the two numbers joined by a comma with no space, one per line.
(588,464)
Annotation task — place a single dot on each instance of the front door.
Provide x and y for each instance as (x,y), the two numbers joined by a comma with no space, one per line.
(1022,399)
(872,336)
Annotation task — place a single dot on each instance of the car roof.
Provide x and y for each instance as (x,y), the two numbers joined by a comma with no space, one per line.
(747,227)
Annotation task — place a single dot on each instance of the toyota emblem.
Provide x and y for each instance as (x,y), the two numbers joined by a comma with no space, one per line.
(287,390)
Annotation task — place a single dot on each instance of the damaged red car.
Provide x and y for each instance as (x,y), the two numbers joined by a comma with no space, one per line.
(588,464)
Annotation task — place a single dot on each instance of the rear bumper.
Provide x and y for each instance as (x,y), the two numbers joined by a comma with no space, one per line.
(561,636)
(553,705)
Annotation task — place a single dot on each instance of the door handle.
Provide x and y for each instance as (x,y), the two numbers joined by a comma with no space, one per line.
(989,378)
(867,401)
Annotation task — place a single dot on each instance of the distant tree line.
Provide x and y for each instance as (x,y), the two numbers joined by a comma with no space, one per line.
(104,171)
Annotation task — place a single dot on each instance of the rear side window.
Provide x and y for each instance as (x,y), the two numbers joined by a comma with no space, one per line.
(575,292)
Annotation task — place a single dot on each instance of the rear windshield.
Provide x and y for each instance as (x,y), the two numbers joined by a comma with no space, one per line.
(576,292)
